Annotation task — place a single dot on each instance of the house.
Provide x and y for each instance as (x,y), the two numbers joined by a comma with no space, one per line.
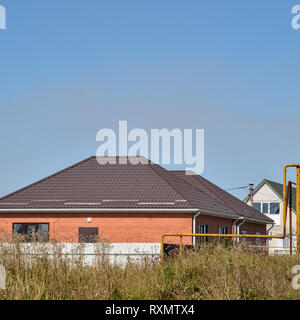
(125,203)
(268,199)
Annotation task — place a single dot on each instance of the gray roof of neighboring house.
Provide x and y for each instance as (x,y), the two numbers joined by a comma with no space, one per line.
(278,189)
(89,185)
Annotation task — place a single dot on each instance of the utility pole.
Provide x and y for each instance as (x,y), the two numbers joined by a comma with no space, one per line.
(251,190)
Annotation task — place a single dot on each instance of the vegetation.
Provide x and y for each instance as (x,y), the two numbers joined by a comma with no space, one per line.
(211,272)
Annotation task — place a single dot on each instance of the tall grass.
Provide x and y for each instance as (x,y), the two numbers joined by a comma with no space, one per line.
(211,272)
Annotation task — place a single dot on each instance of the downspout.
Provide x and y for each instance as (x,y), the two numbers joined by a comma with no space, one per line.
(234,228)
(194,225)
(238,228)
(272,226)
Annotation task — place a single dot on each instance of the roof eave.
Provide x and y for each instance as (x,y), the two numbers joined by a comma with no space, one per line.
(95,210)
(135,210)
(232,216)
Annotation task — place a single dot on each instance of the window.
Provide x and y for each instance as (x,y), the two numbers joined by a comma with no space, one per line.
(88,235)
(274,208)
(33,231)
(244,240)
(265,207)
(257,206)
(258,240)
(223,240)
(223,230)
(203,228)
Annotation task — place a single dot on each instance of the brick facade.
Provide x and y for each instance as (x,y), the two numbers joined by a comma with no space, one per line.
(214,223)
(123,227)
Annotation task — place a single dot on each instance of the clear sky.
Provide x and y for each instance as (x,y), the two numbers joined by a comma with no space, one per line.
(69,68)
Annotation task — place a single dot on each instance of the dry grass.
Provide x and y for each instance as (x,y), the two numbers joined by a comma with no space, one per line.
(210,273)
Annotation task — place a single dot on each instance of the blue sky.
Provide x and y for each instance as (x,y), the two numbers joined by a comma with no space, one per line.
(69,68)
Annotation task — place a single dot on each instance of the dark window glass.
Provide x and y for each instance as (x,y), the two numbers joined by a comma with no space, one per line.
(203,228)
(274,208)
(19,228)
(244,240)
(257,206)
(258,240)
(265,208)
(33,231)
(223,230)
(223,240)
(43,232)
(88,235)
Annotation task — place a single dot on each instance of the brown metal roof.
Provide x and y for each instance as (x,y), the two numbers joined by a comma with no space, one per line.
(89,185)
(221,195)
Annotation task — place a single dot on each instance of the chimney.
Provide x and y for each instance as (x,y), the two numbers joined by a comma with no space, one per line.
(251,190)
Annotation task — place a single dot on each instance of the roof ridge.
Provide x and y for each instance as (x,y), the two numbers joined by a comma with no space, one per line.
(151,165)
(48,177)
(273,181)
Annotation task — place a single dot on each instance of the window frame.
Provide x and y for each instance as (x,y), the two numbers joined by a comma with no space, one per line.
(85,228)
(256,202)
(258,240)
(244,240)
(268,207)
(272,203)
(268,203)
(203,239)
(224,228)
(223,240)
(26,224)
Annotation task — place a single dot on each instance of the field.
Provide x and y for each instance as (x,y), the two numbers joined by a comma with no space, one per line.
(212,272)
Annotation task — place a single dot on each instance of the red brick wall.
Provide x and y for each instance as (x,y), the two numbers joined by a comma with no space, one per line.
(214,223)
(252,228)
(113,227)
(123,227)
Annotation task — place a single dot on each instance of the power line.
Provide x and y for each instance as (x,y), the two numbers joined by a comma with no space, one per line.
(238,188)
(271,204)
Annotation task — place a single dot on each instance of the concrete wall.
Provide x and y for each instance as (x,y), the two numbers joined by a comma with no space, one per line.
(115,253)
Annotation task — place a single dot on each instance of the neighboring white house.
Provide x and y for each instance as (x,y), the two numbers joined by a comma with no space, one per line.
(268,199)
